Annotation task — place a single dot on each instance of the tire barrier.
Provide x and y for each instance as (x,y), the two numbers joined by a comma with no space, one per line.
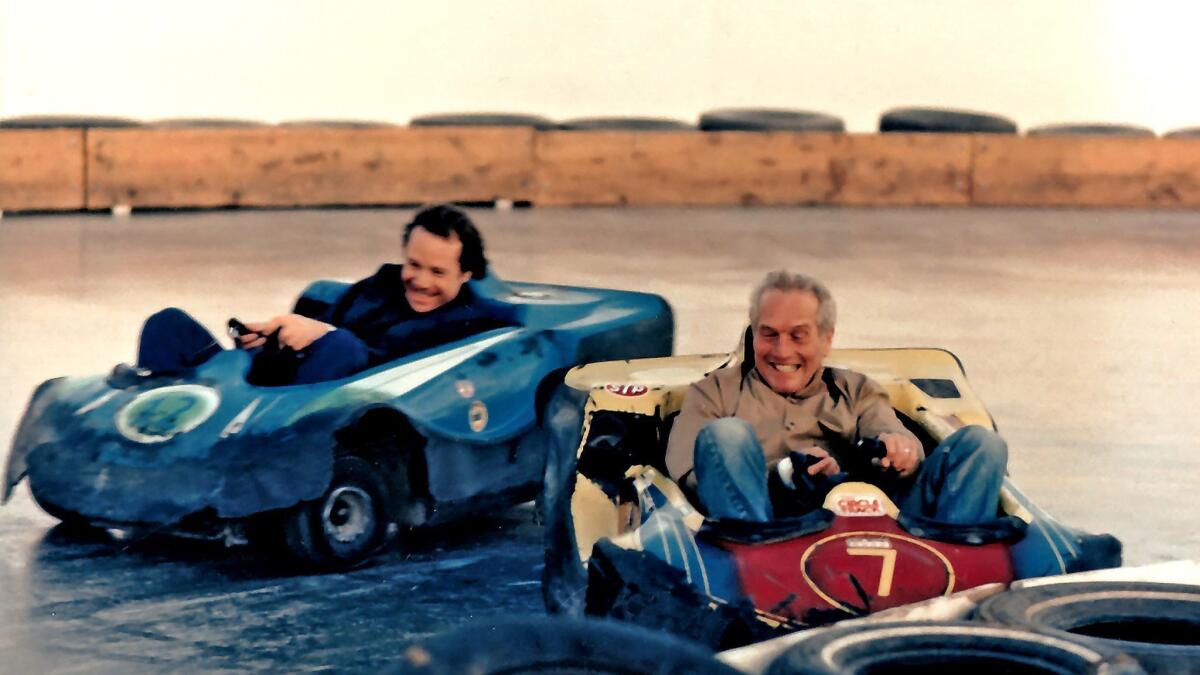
(483,119)
(944,647)
(769,119)
(1156,623)
(944,120)
(562,646)
(625,124)
(1091,130)
(67,122)
(205,123)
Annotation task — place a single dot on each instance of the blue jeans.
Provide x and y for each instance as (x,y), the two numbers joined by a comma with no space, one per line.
(959,482)
(172,341)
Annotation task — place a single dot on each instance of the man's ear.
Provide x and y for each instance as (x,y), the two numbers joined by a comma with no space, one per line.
(467,276)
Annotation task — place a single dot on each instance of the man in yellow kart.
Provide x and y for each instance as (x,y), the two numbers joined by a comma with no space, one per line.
(738,425)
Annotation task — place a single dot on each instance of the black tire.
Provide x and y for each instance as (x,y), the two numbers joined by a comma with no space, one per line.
(1186,132)
(564,581)
(943,647)
(541,644)
(482,120)
(626,124)
(205,123)
(336,124)
(941,120)
(347,524)
(769,119)
(1090,130)
(1157,624)
(67,122)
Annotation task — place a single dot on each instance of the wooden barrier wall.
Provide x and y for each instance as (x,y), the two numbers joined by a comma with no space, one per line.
(72,169)
(41,170)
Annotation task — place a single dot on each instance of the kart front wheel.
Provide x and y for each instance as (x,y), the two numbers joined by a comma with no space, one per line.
(347,524)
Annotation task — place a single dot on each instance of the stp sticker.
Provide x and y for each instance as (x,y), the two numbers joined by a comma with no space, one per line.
(627,389)
(465,388)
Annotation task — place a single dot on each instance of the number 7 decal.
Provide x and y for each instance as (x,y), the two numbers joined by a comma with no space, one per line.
(889,566)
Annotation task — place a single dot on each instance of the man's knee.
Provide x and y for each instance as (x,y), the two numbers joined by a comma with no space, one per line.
(981,444)
(167,319)
(728,439)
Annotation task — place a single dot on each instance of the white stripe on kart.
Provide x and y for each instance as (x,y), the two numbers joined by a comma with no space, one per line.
(403,379)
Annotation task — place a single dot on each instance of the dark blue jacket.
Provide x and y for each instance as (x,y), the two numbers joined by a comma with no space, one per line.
(378,315)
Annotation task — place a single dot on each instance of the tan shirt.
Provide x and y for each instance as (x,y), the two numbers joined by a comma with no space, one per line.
(849,404)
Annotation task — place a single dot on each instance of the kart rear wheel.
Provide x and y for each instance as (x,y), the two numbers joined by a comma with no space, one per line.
(347,524)
(1156,623)
(943,647)
(556,645)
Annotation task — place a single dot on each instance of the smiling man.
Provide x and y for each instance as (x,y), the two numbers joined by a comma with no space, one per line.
(401,309)
(740,422)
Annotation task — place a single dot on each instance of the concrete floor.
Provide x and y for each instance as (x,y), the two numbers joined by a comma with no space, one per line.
(1079,329)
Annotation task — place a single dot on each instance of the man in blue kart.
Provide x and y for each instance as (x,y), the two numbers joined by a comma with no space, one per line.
(738,424)
(401,309)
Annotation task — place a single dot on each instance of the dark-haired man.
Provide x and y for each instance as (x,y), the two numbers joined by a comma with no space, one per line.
(399,310)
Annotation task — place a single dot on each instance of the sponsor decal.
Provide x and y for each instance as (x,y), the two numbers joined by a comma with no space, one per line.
(477,416)
(859,505)
(627,389)
(465,388)
(160,414)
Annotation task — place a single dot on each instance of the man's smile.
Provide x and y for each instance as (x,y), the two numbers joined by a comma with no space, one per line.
(784,367)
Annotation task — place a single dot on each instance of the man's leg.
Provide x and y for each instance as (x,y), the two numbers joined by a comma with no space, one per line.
(960,480)
(731,472)
(333,356)
(172,341)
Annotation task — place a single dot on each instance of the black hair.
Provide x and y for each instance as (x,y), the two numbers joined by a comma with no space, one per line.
(444,219)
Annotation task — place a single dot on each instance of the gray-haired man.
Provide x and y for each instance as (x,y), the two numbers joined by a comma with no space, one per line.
(739,422)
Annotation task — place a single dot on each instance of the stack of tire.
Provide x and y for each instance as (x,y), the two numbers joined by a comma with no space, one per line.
(1115,628)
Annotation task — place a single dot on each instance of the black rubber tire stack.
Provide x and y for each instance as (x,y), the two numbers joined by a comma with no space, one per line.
(1090,130)
(937,648)
(769,119)
(483,119)
(1157,624)
(625,124)
(943,120)
(557,645)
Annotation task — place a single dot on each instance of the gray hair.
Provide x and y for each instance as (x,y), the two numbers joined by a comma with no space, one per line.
(782,280)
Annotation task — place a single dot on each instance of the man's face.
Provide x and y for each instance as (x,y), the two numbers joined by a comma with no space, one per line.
(432,273)
(788,346)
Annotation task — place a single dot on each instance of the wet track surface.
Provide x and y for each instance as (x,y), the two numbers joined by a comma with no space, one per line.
(1078,329)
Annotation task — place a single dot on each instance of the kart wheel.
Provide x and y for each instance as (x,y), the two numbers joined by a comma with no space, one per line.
(1157,624)
(563,578)
(943,647)
(540,645)
(347,524)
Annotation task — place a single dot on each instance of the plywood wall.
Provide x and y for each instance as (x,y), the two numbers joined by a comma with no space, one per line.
(197,168)
(41,169)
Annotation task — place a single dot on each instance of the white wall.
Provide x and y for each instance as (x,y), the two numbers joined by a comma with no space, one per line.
(1037,61)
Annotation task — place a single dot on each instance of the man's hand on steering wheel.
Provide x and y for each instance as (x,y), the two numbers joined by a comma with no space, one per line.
(294,331)
(904,453)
